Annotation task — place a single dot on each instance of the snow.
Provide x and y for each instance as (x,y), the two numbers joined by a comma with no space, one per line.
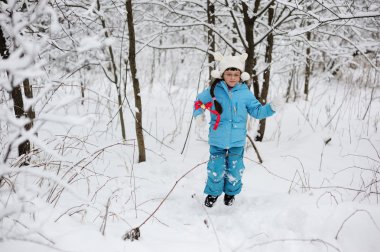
(294,201)
(305,29)
(93,42)
(317,189)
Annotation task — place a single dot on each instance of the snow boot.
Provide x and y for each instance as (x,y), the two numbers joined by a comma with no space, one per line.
(229,200)
(210,200)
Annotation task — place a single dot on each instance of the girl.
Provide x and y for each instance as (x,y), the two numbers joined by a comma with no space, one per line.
(229,101)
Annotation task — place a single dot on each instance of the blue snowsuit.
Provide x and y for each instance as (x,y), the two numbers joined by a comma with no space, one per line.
(225,167)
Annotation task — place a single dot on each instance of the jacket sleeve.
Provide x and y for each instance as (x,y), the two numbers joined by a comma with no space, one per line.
(204,97)
(256,110)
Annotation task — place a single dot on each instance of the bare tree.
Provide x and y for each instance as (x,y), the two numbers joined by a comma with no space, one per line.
(210,34)
(307,66)
(135,80)
(268,61)
(115,78)
(17,96)
(250,64)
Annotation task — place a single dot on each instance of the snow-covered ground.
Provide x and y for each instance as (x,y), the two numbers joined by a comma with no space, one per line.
(305,196)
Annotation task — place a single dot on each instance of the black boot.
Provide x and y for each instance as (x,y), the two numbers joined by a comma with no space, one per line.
(210,200)
(228,200)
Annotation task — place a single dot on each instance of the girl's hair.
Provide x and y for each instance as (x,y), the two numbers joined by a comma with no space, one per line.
(218,106)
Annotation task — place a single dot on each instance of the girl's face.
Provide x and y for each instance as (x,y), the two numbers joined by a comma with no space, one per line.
(231,77)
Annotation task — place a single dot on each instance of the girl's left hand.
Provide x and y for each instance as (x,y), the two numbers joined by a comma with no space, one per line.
(277,103)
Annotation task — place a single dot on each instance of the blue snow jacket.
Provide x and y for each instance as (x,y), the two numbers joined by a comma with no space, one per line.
(237,103)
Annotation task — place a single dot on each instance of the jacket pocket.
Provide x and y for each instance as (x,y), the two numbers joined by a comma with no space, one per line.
(238,132)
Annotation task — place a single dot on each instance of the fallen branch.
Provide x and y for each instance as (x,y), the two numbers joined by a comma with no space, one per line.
(134,234)
(256,150)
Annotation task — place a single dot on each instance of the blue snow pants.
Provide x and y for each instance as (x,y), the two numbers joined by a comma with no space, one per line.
(224,171)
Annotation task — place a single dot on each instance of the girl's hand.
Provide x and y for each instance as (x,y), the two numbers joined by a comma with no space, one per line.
(277,103)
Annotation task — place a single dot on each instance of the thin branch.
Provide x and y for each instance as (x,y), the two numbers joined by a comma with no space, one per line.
(344,188)
(353,44)
(369,104)
(190,15)
(39,233)
(242,39)
(297,240)
(256,150)
(356,211)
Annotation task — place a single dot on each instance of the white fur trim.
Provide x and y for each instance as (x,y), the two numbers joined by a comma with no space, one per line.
(218,56)
(245,76)
(216,74)
(243,57)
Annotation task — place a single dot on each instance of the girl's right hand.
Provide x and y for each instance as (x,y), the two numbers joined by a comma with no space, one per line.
(277,103)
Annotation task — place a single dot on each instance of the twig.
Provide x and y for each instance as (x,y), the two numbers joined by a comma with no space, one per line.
(43,236)
(298,240)
(35,242)
(104,223)
(256,150)
(140,125)
(134,234)
(356,211)
(270,172)
(357,167)
(93,155)
(356,155)
(291,184)
(369,104)
(378,155)
(212,224)
(323,150)
(336,112)
(342,187)
(331,195)
(69,210)
(154,217)
(306,183)
(133,192)
(306,118)
(191,121)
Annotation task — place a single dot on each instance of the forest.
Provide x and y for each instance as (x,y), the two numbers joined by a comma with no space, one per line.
(99,150)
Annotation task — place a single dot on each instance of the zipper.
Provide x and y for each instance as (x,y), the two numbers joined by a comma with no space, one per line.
(233,105)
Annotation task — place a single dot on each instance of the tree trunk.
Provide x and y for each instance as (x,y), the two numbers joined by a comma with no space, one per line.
(18,105)
(290,81)
(268,61)
(210,34)
(18,101)
(115,77)
(307,67)
(136,84)
(3,46)
(250,63)
(82,88)
(235,28)
(28,90)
